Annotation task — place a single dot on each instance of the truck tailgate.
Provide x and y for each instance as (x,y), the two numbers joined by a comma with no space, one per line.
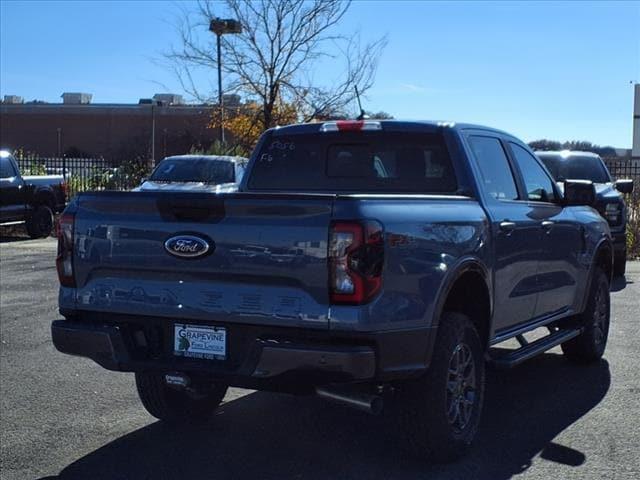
(266,262)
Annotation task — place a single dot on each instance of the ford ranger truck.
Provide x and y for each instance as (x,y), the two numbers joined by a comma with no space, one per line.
(373,263)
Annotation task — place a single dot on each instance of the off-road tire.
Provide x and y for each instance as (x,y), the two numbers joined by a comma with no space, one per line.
(40,223)
(589,346)
(176,406)
(422,408)
(620,264)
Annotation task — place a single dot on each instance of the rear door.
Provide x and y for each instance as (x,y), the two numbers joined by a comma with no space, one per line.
(265,261)
(561,236)
(515,232)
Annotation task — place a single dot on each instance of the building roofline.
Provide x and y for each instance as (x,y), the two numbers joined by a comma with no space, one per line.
(102,105)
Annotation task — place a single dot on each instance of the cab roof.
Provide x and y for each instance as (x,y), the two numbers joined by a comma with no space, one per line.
(196,156)
(388,125)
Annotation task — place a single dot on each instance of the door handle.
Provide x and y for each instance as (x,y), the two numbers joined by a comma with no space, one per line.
(547,224)
(507,226)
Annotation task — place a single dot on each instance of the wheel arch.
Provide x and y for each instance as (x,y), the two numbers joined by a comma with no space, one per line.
(467,290)
(603,258)
(43,196)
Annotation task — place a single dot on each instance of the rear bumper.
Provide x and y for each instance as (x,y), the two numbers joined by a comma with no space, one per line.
(258,357)
(102,344)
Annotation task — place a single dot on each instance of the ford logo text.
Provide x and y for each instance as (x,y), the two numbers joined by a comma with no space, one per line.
(187,246)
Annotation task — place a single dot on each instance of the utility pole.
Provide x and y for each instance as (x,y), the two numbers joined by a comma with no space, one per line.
(64,160)
(59,131)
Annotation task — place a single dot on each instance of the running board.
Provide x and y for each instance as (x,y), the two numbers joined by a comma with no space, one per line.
(11,224)
(532,349)
(502,335)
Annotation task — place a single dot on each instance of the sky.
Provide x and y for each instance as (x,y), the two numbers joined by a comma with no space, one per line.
(562,71)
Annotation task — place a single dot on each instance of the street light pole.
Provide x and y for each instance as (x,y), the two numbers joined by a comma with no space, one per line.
(153,135)
(220,100)
(221,26)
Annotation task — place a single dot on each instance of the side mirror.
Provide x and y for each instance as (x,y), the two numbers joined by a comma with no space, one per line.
(625,185)
(579,192)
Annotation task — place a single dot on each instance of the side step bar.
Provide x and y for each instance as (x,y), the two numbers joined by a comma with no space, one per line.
(530,350)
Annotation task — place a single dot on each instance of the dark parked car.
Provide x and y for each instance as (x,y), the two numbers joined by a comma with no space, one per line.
(30,199)
(418,247)
(609,199)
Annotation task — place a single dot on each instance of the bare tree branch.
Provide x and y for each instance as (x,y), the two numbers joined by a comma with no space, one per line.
(272,61)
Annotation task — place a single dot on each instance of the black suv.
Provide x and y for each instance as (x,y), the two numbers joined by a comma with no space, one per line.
(576,165)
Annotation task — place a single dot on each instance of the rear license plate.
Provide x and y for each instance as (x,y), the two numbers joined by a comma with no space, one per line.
(200,341)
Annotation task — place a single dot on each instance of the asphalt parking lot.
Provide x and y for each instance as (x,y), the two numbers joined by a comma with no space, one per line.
(66,418)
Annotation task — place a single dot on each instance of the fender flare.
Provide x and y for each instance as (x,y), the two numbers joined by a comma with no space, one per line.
(604,242)
(464,265)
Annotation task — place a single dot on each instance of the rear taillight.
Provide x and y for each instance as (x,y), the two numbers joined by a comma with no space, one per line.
(64,260)
(356,259)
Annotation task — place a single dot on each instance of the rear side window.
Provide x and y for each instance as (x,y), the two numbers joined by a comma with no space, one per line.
(355,161)
(495,171)
(538,184)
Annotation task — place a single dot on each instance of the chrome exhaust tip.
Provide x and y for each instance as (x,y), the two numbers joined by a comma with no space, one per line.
(365,402)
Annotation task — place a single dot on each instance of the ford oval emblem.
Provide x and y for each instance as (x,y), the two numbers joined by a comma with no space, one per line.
(187,246)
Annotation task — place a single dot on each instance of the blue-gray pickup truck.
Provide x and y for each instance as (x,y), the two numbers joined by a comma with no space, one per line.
(374,263)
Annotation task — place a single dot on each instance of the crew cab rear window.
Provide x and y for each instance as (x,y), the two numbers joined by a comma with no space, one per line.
(366,162)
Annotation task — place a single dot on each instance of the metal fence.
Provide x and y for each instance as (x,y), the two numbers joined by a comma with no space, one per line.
(624,168)
(629,168)
(98,174)
(83,174)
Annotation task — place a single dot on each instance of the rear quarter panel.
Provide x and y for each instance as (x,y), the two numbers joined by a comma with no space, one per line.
(426,240)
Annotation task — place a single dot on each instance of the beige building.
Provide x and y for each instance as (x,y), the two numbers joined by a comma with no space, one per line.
(77,127)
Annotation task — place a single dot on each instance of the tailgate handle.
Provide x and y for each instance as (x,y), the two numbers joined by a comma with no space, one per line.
(191,209)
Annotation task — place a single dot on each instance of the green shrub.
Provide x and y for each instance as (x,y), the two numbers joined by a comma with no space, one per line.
(35,169)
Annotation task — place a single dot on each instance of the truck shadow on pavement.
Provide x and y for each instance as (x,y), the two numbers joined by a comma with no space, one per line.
(12,238)
(276,436)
